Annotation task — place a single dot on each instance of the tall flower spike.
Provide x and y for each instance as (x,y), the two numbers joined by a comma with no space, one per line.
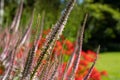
(53,74)
(41,30)
(54,71)
(30,55)
(7,73)
(22,40)
(16,21)
(54,34)
(91,68)
(10,61)
(25,36)
(75,58)
(13,28)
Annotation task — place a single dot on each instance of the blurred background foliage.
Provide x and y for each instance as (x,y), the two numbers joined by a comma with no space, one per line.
(103,25)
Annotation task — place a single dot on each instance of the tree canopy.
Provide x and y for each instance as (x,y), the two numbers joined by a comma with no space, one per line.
(103,26)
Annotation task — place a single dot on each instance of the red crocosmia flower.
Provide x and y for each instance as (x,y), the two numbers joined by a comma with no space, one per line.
(44,61)
(2,69)
(46,31)
(20,53)
(58,43)
(91,53)
(88,58)
(95,75)
(80,68)
(104,73)
(68,52)
(83,53)
(84,62)
(41,42)
(58,48)
(69,44)
(79,78)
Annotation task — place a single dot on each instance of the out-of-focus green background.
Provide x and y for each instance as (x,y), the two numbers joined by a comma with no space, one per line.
(103,25)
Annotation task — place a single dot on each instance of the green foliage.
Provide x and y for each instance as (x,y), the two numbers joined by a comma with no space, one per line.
(104,19)
(51,9)
(103,23)
(76,19)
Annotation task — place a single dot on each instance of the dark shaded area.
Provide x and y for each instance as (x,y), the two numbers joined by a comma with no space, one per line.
(105,32)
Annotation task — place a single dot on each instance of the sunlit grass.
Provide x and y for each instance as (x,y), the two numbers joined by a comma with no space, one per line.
(110,61)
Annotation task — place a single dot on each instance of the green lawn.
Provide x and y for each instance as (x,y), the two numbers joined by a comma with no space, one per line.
(110,61)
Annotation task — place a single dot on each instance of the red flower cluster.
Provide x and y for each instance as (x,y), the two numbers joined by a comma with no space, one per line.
(66,47)
(86,59)
(1,68)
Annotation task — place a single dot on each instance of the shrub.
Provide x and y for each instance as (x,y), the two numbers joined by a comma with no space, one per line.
(22,60)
